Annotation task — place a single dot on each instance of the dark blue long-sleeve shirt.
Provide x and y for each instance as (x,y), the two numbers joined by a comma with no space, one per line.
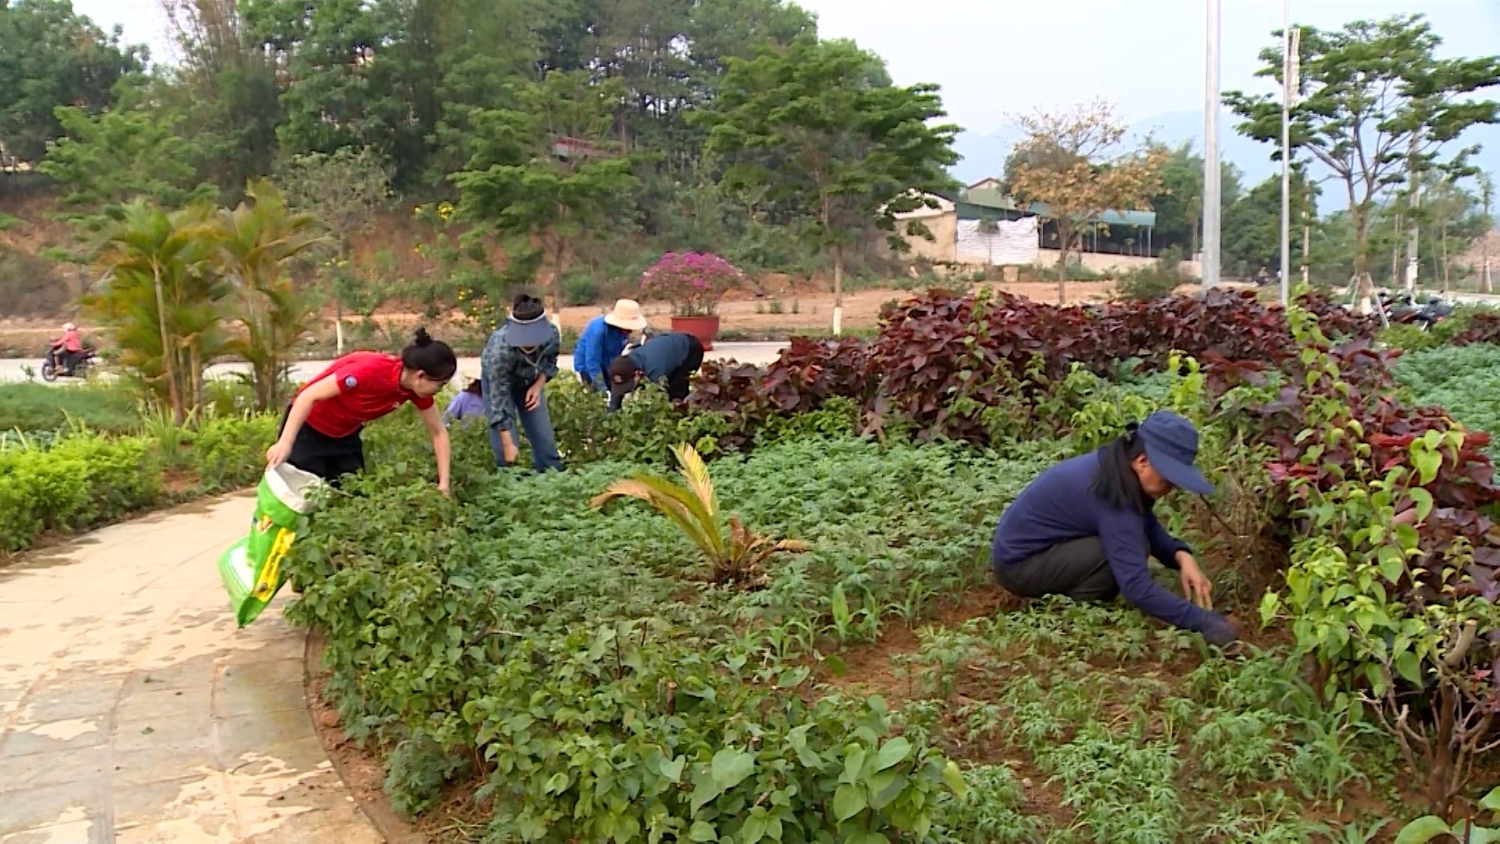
(1059,506)
(662,354)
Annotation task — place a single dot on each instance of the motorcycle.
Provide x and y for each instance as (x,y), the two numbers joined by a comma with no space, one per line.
(1404,309)
(52,369)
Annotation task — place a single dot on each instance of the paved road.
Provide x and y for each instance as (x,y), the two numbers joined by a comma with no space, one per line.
(14,369)
(133,711)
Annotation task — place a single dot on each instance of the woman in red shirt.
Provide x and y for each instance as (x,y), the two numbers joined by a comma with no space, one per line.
(321,430)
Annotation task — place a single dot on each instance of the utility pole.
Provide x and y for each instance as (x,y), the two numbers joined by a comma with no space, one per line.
(1487,189)
(1415,229)
(1289,72)
(1211,198)
(1306,241)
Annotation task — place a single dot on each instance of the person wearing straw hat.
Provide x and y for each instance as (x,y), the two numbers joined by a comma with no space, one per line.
(603,340)
(518,361)
(1084,528)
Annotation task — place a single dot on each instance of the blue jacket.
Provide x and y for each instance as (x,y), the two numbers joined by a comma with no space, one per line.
(598,346)
(1059,505)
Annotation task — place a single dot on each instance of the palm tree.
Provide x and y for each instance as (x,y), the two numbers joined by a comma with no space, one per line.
(162,298)
(257,241)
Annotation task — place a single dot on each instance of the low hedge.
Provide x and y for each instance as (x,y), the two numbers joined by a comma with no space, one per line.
(84,479)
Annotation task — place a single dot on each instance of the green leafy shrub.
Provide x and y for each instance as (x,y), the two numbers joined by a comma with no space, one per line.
(1154,282)
(228,452)
(82,480)
(1464,380)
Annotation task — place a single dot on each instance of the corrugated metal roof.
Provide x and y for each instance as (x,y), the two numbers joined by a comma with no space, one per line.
(992,200)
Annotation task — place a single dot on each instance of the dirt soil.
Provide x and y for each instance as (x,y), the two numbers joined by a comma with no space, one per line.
(800,310)
(362,771)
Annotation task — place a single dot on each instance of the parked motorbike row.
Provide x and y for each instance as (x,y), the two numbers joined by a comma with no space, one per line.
(1406,309)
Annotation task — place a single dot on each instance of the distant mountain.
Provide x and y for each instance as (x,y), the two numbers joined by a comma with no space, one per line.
(984,155)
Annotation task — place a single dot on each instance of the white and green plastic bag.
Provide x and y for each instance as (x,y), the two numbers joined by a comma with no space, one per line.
(252,567)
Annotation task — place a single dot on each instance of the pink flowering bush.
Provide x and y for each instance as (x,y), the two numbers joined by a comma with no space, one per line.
(693,282)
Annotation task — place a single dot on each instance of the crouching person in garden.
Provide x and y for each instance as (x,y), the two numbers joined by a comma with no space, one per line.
(1084,528)
(672,357)
(603,340)
(518,361)
(320,433)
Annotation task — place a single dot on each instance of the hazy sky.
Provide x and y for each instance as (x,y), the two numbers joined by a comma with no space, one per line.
(994,58)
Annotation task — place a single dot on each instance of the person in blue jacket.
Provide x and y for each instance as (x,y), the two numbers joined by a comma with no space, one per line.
(603,340)
(672,357)
(1084,528)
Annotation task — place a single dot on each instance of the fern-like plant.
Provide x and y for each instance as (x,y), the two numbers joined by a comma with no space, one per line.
(734,555)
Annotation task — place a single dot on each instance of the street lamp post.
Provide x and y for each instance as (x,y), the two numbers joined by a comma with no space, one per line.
(1211,199)
(1290,43)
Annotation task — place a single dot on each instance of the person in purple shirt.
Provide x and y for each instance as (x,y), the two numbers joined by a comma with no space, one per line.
(467,404)
(1084,528)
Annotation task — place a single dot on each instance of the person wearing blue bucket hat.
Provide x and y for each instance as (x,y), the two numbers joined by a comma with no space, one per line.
(517,362)
(1085,527)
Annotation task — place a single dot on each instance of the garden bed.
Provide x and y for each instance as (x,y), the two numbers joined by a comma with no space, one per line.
(532,668)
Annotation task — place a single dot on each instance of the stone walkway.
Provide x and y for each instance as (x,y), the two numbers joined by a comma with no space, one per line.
(133,710)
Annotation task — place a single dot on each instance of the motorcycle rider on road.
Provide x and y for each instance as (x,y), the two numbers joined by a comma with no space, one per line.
(67,351)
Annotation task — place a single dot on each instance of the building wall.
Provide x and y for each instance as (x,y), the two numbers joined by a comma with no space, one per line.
(943,249)
(944,246)
(1105,262)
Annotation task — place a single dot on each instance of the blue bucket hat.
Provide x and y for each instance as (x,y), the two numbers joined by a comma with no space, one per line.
(1171,444)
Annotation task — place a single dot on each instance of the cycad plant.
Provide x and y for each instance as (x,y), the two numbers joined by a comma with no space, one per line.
(734,555)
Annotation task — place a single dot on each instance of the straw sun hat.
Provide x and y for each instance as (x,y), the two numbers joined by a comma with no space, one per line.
(627,315)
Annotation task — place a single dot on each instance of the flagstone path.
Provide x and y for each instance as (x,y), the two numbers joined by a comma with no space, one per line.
(132,710)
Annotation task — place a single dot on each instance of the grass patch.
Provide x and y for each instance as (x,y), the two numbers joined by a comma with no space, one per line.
(30,407)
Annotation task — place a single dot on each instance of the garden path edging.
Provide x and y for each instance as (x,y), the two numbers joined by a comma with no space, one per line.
(365,786)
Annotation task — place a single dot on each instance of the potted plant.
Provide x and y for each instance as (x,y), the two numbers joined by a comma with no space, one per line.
(693,282)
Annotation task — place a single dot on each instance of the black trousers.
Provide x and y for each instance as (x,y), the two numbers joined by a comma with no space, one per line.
(677,379)
(1076,568)
(330,458)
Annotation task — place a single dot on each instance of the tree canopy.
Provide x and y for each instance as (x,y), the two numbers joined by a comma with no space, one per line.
(1376,105)
(819,127)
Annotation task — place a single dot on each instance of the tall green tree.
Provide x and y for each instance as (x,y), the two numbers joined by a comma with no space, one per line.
(820,126)
(1179,207)
(547,170)
(1377,104)
(1252,226)
(51,56)
(223,93)
(345,190)
(135,149)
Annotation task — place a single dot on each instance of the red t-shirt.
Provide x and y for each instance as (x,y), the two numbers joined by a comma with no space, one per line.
(369,388)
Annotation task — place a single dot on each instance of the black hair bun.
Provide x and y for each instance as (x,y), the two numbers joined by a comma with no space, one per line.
(422,338)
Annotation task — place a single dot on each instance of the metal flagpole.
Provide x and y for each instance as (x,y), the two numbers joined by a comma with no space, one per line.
(1211,199)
